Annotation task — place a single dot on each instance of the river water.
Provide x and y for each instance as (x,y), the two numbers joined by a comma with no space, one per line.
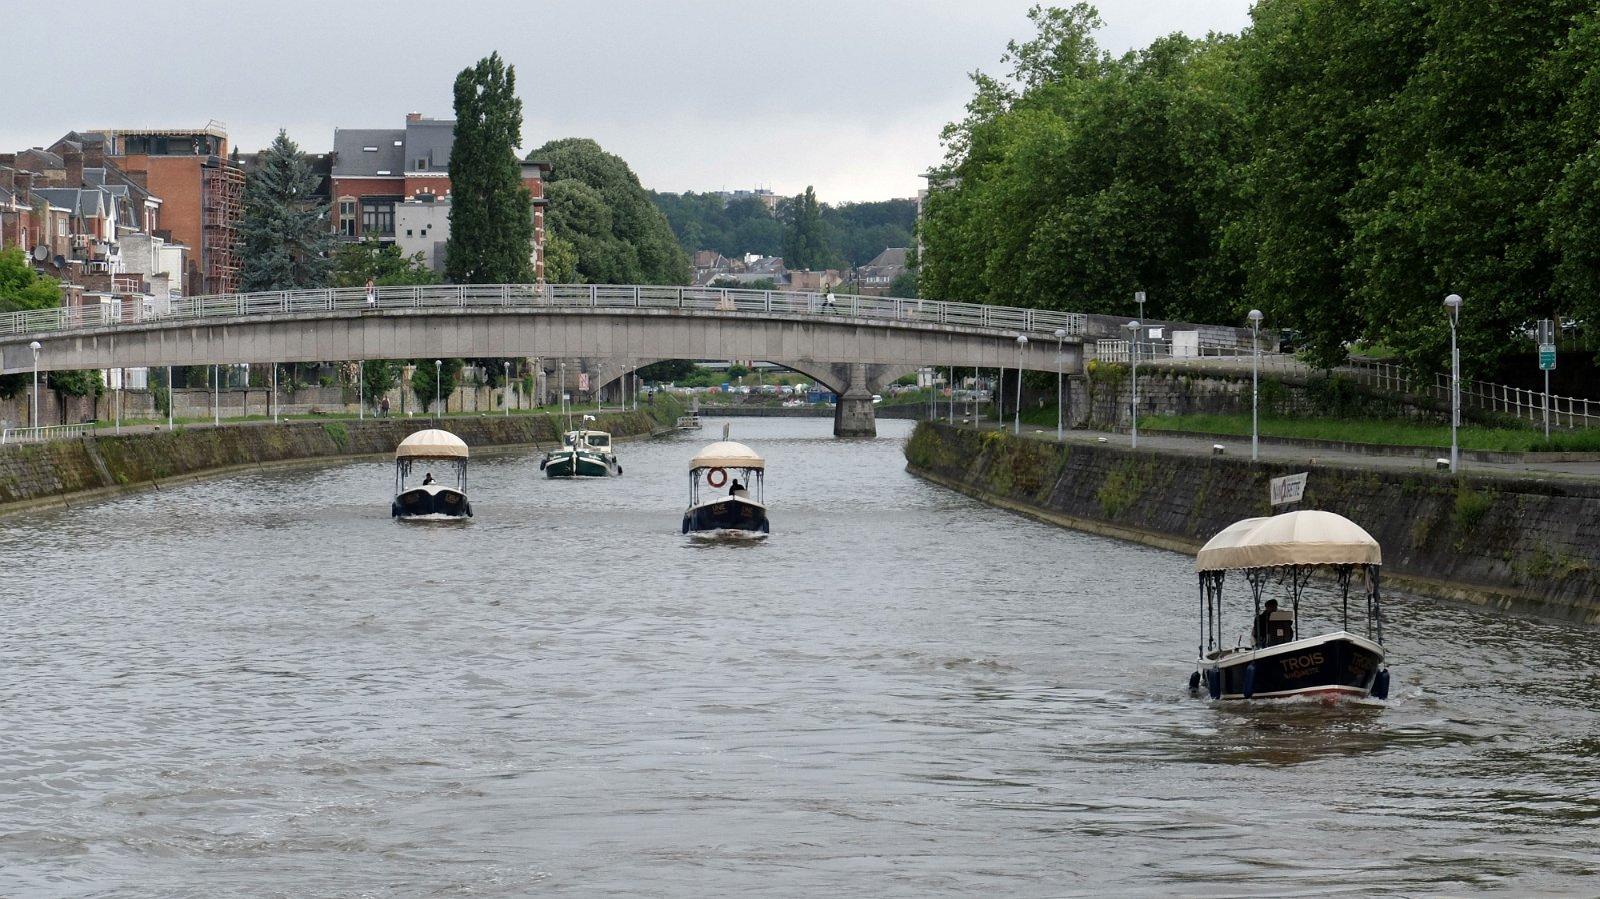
(261,685)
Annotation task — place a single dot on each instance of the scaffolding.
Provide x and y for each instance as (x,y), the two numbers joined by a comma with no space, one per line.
(221,205)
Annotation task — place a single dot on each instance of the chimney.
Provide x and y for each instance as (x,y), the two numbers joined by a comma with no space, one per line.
(8,178)
(413,117)
(24,184)
(94,155)
(8,159)
(73,157)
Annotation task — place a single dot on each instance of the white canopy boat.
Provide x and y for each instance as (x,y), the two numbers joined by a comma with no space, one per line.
(736,514)
(431,499)
(1279,660)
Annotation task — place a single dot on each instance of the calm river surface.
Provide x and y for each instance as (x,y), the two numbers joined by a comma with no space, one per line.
(261,685)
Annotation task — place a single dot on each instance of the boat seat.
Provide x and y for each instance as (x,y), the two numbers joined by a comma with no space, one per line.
(1280,627)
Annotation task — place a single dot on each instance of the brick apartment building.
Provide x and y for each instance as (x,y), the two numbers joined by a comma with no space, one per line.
(202,194)
(393,184)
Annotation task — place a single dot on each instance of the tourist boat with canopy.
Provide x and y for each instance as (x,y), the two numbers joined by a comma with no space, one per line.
(431,499)
(584,453)
(737,514)
(1277,659)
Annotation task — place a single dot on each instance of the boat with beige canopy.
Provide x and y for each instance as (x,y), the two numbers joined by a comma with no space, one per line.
(740,513)
(441,499)
(1275,659)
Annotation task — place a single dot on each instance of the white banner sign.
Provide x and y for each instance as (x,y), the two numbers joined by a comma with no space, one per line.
(1288,489)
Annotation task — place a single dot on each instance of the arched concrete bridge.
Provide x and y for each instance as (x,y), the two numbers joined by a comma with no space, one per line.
(855,346)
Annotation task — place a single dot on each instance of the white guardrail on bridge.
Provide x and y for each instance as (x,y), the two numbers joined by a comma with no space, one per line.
(47,432)
(555,296)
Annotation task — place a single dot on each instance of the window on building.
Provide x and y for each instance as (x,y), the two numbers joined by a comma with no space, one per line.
(347,217)
(421,166)
(369,149)
(377,217)
(408,232)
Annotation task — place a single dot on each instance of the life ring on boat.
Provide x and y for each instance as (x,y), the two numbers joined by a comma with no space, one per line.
(716,477)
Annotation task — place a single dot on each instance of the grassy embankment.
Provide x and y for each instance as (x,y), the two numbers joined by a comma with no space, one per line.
(1388,432)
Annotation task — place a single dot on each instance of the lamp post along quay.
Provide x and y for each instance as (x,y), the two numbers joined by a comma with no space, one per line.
(505,384)
(1452,305)
(171,398)
(1133,356)
(1061,334)
(1016,424)
(1255,384)
(438,387)
(33,416)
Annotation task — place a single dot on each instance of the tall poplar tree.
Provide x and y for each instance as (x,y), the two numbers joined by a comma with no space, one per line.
(805,244)
(491,212)
(284,235)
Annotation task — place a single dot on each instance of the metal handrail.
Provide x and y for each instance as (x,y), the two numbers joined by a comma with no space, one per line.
(45,433)
(554,296)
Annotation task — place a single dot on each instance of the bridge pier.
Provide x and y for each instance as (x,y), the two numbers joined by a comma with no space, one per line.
(854,416)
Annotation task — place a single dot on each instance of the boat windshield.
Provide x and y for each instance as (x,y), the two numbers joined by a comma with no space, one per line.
(600,440)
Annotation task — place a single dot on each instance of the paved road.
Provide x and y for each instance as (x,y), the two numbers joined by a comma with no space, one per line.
(1584,472)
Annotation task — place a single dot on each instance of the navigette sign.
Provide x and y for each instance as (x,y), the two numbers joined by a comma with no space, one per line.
(1288,489)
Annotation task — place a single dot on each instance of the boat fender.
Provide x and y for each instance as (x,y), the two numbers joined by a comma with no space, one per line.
(1214,683)
(543,463)
(619,471)
(1194,684)
(1249,680)
(1380,684)
(686,524)
(716,477)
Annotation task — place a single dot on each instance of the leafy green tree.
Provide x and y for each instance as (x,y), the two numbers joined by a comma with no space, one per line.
(378,377)
(672,370)
(598,205)
(22,288)
(381,262)
(560,258)
(805,241)
(425,386)
(904,285)
(284,237)
(491,211)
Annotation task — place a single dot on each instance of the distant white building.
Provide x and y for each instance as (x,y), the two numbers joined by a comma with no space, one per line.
(423,226)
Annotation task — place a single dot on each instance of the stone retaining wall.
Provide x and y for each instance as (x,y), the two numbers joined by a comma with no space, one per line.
(1533,545)
(66,471)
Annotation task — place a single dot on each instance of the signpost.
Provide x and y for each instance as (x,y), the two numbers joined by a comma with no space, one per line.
(1287,489)
(1547,364)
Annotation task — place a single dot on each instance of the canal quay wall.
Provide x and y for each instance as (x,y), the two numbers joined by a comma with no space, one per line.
(87,469)
(1531,545)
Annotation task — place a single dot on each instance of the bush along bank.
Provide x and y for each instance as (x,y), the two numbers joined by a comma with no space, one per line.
(1531,545)
(85,469)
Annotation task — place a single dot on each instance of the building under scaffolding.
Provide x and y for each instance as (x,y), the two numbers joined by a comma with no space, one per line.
(201,190)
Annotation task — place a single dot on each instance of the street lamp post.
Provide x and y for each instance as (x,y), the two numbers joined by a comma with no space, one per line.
(216,395)
(1138,297)
(170,398)
(1255,383)
(506,382)
(1016,422)
(36,346)
(274,393)
(561,398)
(438,386)
(952,394)
(1061,335)
(1452,304)
(1133,355)
(361,390)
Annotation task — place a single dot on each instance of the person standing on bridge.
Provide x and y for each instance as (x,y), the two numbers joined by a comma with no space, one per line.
(372,294)
(830,305)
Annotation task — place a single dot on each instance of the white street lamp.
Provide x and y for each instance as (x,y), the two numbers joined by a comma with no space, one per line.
(1255,382)
(1061,335)
(274,393)
(1133,355)
(361,390)
(438,385)
(1452,305)
(36,346)
(506,381)
(1016,424)
(216,396)
(171,398)
(1138,297)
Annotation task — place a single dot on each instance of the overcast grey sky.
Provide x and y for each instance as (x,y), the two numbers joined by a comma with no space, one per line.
(694,94)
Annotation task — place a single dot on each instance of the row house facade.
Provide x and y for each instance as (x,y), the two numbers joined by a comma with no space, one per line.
(393,185)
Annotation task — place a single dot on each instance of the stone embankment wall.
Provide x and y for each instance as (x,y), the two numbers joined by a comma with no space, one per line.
(67,471)
(1533,545)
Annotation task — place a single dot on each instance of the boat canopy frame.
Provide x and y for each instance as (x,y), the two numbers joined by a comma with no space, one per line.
(1290,547)
(455,465)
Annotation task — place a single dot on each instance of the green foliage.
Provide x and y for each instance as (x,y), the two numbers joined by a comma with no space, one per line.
(381,262)
(1471,507)
(21,288)
(670,370)
(599,208)
(378,377)
(805,243)
(491,211)
(78,383)
(757,284)
(338,433)
(560,259)
(904,285)
(284,236)
(853,232)
(1120,489)
(1341,165)
(425,386)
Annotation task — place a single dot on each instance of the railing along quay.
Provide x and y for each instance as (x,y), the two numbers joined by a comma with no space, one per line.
(45,433)
(554,296)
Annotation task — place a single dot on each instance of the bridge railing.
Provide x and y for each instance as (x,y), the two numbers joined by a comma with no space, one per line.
(593,296)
